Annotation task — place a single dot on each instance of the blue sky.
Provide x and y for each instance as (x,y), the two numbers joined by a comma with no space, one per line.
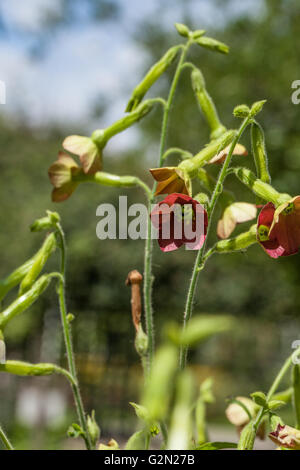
(83,59)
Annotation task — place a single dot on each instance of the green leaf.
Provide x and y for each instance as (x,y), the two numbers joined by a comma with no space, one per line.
(217,446)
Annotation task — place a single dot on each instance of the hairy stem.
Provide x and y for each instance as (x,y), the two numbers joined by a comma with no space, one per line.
(148,277)
(68,342)
(6,442)
(198,266)
(284,369)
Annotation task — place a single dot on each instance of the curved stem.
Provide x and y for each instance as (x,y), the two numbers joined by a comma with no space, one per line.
(6,442)
(148,277)
(171,150)
(198,266)
(68,341)
(288,363)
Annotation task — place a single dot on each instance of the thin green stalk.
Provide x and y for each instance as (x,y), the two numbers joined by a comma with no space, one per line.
(6,442)
(198,266)
(148,277)
(68,342)
(287,364)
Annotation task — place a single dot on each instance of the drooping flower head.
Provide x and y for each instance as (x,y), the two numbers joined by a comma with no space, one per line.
(170,180)
(286,436)
(87,150)
(221,156)
(61,174)
(180,220)
(278,230)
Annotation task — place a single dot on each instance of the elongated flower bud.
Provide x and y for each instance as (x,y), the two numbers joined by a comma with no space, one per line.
(25,368)
(206,104)
(212,44)
(247,437)
(45,223)
(152,75)
(26,300)
(192,165)
(15,277)
(181,426)
(238,243)
(182,30)
(41,258)
(93,428)
(261,189)
(257,107)
(260,153)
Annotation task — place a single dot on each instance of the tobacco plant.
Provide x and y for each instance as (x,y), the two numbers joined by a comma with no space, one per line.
(172,404)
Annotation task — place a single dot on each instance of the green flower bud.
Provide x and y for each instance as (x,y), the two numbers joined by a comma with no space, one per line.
(241,111)
(45,223)
(151,77)
(70,317)
(75,431)
(259,398)
(212,44)
(192,165)
(15,277)
(206,104)
(261,189)
(202,198)
(141,342)
(247,437)
(257,107)
(198,33)
(93,428)
(27,369)
(275,420)
(182,30)
(41,258)
(26,300)
(260,153)
(238,243)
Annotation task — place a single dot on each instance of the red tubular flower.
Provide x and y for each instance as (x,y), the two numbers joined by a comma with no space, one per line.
(174,216)
(278,230)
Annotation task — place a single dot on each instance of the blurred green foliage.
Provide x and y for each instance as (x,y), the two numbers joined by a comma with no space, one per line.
(262,293)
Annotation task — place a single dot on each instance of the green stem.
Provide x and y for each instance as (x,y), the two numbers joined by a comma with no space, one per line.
(6,442)
(198,266)
(148,278)
(287,364)
(68,342)
(175,150)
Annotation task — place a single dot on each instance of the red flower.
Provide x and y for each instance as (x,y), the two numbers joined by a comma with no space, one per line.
(278,230)
(180,220)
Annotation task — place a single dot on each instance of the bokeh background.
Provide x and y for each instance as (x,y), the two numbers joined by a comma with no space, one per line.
(69,67)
